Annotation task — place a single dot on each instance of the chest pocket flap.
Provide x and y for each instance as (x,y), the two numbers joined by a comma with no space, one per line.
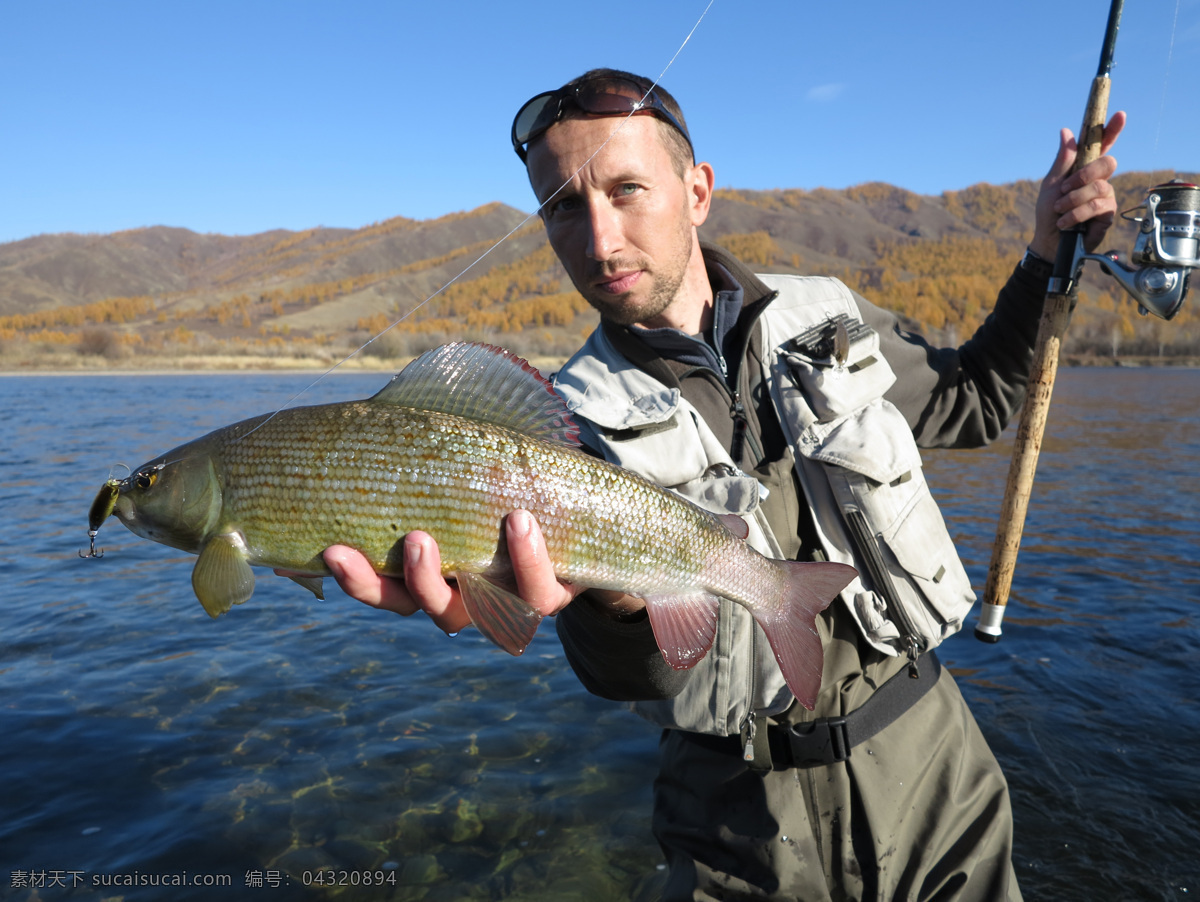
(874,441)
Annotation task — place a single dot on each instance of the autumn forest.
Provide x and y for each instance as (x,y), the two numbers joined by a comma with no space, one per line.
(167,297)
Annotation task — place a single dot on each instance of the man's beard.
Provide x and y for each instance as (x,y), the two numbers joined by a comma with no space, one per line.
(663,292)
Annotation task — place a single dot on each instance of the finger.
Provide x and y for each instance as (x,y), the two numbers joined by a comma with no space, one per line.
(1065,158)
(359,580)
(1098,211)
(428,587)
(1112,131)
(1104,165)
(534,571)
(1093,202)
(1095,172)
(1088,194)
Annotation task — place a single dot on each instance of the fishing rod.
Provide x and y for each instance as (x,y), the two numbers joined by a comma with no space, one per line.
(1167,249)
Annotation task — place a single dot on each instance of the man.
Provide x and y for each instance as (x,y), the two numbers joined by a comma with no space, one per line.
(886,789)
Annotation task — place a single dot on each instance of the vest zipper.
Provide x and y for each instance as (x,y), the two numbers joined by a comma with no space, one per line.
(740,427)
(737,409)
(756,746)
(868,547)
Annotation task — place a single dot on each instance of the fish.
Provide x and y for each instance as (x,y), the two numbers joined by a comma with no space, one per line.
(462,436)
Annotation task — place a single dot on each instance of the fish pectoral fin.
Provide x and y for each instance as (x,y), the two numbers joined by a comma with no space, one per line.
(684,626)
(736,525)
(314,584)
(504,618)
(222,577)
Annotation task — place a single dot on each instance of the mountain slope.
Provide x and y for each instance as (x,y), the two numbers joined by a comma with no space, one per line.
(937,260)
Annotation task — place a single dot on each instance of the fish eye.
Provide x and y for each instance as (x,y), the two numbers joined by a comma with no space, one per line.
(146,478)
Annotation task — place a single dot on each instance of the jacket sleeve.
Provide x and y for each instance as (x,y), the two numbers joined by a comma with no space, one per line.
(964,397)
(615,660)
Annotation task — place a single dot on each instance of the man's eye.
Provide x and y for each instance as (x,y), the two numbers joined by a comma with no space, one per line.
(565,205)
(628,188)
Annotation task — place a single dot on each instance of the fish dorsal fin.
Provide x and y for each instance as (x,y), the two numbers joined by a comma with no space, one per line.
(483,382)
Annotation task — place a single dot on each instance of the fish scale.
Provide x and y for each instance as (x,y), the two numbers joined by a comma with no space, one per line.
(279,489)
(413,470)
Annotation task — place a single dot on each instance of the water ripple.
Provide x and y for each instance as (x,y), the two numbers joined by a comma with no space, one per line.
(293,735)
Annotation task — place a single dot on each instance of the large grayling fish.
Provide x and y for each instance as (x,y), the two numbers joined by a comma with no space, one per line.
(464,435)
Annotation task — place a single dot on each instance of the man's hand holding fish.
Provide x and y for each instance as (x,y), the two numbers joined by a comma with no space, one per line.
(430,592)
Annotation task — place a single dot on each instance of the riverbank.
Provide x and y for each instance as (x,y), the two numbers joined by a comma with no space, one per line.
(77,365)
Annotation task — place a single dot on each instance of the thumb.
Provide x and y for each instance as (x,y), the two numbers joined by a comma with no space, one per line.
(1065,159)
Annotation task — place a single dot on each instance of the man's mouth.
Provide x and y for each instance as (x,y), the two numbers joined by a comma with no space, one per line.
(619,283)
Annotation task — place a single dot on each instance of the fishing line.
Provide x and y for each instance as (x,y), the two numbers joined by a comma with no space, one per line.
(1162,107)
(499,242)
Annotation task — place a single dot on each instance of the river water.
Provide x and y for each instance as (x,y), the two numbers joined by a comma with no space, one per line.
(294,744)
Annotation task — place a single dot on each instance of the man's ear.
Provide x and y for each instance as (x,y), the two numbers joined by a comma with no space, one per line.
(699,181)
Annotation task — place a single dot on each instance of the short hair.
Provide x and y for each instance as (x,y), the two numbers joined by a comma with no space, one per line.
(678,147)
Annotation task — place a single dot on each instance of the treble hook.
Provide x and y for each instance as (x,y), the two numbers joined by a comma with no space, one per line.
(92,552)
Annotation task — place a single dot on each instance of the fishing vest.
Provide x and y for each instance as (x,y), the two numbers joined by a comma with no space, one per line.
(856,459)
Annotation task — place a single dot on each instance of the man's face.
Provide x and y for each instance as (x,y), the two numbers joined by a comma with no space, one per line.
(624,224)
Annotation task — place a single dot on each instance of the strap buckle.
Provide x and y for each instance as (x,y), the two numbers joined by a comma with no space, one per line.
(828,740)
(825,741)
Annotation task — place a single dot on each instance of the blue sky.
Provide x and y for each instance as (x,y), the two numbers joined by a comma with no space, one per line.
(240,117)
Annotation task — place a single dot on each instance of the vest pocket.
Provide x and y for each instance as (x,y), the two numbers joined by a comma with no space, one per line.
(669,453)
(873,467)
(834,390)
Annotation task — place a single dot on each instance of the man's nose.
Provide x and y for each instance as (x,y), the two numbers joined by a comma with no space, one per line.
(604,238)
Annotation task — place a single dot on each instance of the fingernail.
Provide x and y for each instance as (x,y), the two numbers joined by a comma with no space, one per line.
(337,566)
(519,523)
(412,552)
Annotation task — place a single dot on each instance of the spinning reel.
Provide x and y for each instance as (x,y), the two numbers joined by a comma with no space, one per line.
(1166,251)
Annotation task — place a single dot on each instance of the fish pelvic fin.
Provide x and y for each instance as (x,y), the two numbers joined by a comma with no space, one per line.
(314,584)
(791,622)
(684,626)
(503,618)
(222,576)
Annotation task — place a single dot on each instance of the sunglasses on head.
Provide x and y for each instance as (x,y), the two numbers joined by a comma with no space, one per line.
(601,95)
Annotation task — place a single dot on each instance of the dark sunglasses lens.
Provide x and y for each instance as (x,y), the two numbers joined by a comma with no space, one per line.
(607,96)
(535,117)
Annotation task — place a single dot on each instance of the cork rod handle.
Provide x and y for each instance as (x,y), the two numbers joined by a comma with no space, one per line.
(1028,443)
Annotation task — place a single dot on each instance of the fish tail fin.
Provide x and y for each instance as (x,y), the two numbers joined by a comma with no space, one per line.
(791,622)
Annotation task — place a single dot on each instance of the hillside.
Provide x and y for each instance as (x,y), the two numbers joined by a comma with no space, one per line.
(146,296)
